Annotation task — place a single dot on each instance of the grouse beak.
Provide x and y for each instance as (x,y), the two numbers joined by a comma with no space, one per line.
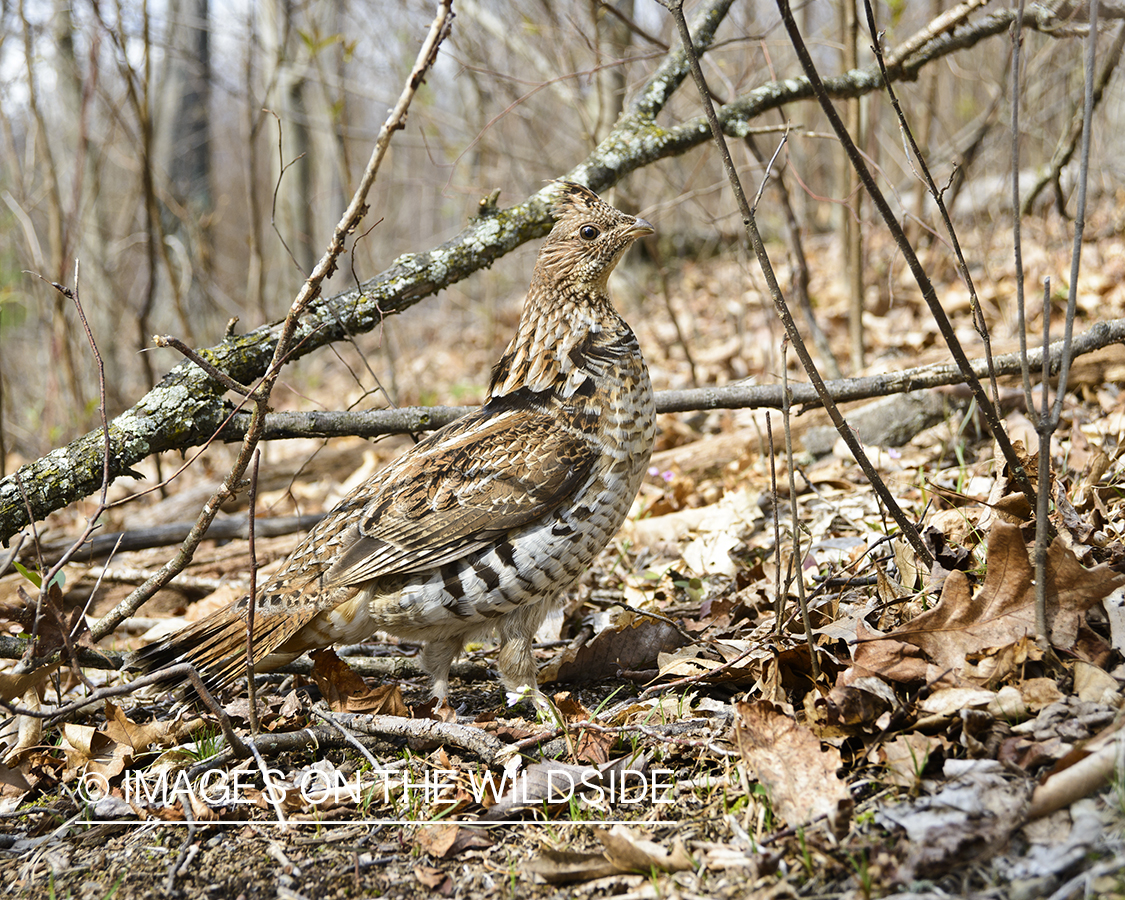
(640,228)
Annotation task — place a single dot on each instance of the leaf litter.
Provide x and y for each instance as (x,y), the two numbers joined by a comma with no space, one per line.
(689,750)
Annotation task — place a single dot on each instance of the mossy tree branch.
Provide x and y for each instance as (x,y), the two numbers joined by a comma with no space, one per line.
(187,407)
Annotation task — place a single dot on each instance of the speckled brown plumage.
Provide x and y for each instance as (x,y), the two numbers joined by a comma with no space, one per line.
(480,526)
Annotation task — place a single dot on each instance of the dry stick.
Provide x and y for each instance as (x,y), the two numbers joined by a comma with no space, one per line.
(1069,142)
(737,395)
(252,603)
(1017,213)
(905,525)
(988,410)
(1042,507)
(852,219)
(488,748)
(779,597)
(349,737)
(798,553)
(184,670)
(914,152)
(1049,420)
(309,291)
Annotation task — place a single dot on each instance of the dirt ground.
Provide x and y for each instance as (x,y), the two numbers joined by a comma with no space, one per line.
(911,760)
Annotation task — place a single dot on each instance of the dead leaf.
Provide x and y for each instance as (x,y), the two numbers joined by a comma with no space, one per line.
(568,866)
(633,643)
(93,751)
(12,686)
(120,728)
(1094,685)
(337,682)
(722,530)
(1003,610)
(974,813)
(30,728)
(436,840)
(383,699)
(894,660)
(447,841)
(631,853)
(590,746)
(624,851)
(859,702)
(907,757)
(788,760)
(435,879)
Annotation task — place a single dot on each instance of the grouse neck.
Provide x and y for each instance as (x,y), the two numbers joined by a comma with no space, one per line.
(546,353)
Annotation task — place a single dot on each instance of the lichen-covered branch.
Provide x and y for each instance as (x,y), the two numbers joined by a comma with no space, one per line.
(187,407)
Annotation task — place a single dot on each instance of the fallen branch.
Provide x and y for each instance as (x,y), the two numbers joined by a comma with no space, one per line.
(739,395)
(187,406)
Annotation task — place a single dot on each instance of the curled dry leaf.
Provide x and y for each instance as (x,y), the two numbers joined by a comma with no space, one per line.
(120,728)
(447,841)
(12,686)
(337,682)
(1002,612)
(623,851)
(907,758)
(91,750)
(29,728)
(631,853)
(633,643)
(435,879)
(787,759)
(569,866)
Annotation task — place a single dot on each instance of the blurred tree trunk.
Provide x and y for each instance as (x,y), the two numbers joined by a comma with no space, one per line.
(287,63)
(188,88)
(853,196)
(613,41)
(184,147)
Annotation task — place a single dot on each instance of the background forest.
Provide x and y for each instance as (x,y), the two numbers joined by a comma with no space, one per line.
(855,678)
(192,156)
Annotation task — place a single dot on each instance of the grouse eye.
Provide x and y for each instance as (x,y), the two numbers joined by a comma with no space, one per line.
(588,232)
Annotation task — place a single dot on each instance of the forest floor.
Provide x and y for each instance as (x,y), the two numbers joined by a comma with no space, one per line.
(694,749)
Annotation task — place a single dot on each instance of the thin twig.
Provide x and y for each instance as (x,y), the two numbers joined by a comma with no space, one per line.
(1017,212)
(795,522)
(308,292)
(252,601)
(1051,415)
(167,340)
(905,525)
(779,596)
(161,676)
(1042,507)
(945,327)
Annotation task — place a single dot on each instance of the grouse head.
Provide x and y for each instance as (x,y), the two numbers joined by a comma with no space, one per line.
(588,239)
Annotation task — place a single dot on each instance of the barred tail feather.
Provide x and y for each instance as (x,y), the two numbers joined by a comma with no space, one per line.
(216,646)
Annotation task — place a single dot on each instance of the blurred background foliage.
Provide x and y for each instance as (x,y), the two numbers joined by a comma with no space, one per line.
(192,156)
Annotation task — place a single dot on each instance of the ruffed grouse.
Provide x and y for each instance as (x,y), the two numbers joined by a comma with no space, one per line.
(482,524)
